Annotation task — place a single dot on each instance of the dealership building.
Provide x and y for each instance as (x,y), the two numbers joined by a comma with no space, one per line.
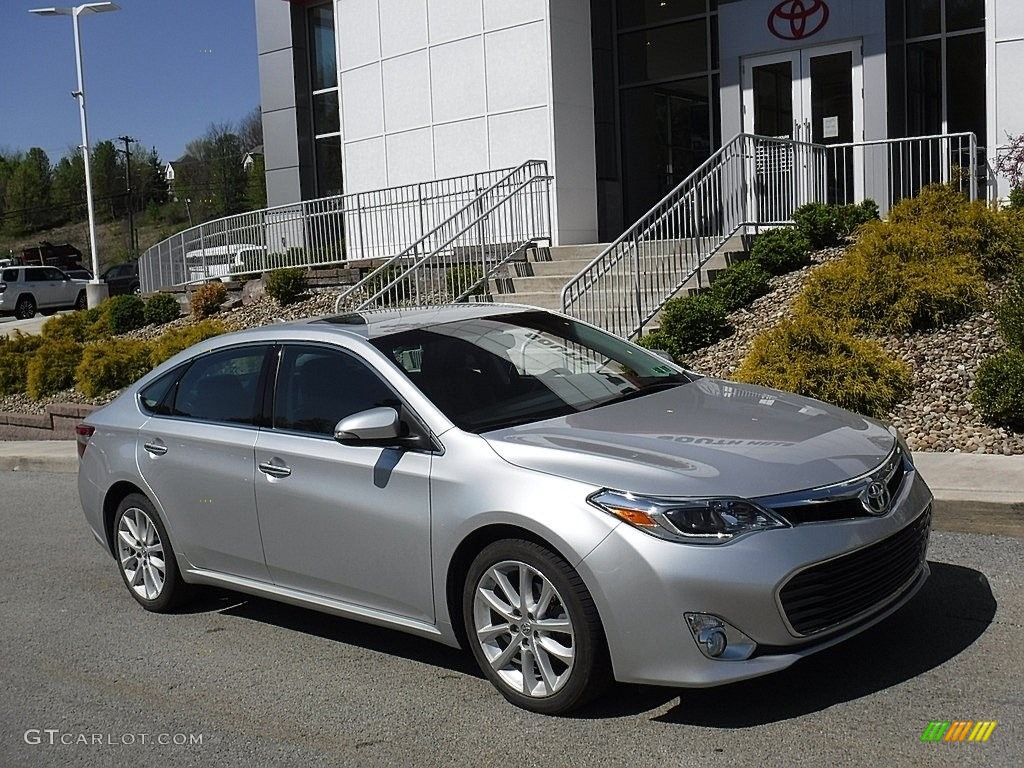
(622,98)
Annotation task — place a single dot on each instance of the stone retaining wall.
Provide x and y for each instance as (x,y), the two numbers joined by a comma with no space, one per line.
(58,423)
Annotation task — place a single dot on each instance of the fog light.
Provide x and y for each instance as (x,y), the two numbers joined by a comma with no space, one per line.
(714,642)
(718,639)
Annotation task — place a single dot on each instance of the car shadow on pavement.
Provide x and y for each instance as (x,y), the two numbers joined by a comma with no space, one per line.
(335,628)
(952,610)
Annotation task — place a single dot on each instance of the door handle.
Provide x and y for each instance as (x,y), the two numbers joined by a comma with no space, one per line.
(156,448)
(274,470)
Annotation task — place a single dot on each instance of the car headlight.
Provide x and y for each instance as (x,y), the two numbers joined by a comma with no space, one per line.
(698,521)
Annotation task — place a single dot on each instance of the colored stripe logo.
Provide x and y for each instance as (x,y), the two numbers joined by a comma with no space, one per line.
(958,730)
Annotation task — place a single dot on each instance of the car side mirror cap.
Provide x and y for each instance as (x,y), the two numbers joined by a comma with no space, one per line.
(372,427)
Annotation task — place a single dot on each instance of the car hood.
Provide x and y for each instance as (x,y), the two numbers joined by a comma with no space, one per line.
(708,437)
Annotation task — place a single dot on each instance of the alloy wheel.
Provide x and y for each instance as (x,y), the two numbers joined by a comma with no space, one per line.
(141,553)
(524,629)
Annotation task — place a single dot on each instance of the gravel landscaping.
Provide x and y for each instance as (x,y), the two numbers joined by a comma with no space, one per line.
(938,414)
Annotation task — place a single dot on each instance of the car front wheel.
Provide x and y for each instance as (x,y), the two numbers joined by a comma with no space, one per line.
(81,302)
(25,309)
(533,627)
(145,557)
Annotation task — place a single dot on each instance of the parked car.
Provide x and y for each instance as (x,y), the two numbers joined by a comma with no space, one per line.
(27,290)
(122,278)
(79,273)
(565,504)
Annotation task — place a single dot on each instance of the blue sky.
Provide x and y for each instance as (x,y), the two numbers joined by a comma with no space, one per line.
(147,72)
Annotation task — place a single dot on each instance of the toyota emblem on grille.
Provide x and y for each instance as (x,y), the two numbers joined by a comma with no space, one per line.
(876,498)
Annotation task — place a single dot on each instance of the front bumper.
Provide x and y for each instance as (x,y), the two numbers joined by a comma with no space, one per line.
(643,586)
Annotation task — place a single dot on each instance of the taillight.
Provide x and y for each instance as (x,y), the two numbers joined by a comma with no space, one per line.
(82,434)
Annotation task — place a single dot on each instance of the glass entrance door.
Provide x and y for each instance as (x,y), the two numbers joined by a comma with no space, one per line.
(814,95)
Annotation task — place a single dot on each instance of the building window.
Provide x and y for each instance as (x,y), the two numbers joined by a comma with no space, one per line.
(323,78)
(656,100)
(936,62)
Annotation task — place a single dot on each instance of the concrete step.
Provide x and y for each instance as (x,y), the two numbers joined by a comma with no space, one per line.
(567,252)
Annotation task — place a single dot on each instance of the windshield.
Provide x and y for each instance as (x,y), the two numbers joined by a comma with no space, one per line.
(493,372)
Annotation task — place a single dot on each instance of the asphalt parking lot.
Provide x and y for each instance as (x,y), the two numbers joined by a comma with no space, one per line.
(264,684)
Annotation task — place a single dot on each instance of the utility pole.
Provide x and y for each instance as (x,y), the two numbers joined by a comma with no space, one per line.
(128,141)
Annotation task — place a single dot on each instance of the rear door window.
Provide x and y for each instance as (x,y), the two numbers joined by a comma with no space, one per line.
(222,386)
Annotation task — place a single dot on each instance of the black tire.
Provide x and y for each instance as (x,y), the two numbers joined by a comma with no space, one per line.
(590,672)
(25,309)
(82,302)
(136,289)
(174,591)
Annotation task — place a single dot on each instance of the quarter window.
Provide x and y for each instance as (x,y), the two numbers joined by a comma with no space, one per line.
(10,276)
(317,387)
(222,386)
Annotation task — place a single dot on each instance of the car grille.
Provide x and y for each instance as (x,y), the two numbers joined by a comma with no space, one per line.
(840,509)
(844,588)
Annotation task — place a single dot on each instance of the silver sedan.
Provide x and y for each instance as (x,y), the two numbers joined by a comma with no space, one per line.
(568,506)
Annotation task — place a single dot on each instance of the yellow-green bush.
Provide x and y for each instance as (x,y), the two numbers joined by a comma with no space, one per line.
(80,326)
(15,352)
(206,299)
(826,361)
(175,340)
(111,364)
(898,277)
(52,367)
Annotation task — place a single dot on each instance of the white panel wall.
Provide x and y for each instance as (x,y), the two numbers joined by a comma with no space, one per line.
(438,88)
(1005,42)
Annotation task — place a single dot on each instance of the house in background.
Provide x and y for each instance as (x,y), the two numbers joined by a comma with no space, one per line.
(250,157)
(173,169)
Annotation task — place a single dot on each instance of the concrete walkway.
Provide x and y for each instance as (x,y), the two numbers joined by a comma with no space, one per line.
(973,493)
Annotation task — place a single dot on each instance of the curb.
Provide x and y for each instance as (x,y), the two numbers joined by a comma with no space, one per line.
(40,456)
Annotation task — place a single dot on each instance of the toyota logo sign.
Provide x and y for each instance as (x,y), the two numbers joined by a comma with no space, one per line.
(797,19)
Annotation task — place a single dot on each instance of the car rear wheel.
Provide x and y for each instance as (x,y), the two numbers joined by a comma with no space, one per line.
(25,308)
(145,557)
(533,627)
(81,302)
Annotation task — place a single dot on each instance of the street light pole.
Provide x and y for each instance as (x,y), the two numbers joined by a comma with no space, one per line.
(96,291)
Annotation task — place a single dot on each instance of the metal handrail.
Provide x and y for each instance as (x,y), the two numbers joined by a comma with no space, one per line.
(750,182)
(325,230)
(417,246)
(487,242)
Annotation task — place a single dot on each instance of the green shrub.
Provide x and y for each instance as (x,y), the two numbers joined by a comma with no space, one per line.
(52,367)
(162,308)
(826,226)
(286,285)
(458,279)
(740,284)
(781,250)
(1016,200)
(693,322)
(16,351)
(999,389)
(125,313)
(207,298)
(113,364)
(175,340)
(897,278)
(77,326)
(826,361)
(661,342)
(1011,314)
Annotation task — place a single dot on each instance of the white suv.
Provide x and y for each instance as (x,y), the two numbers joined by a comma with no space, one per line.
(26,290)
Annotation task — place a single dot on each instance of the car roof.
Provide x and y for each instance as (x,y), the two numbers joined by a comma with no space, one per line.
(373,323)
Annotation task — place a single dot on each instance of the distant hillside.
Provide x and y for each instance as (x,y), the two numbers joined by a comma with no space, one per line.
(111,239)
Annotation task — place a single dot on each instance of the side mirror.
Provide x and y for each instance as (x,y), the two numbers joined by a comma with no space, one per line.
(377,426)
